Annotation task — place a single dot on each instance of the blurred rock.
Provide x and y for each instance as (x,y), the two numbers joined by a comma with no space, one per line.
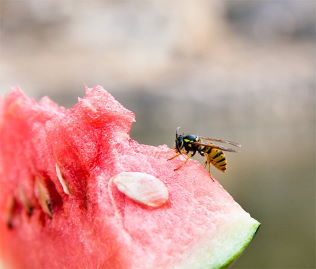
(272,20)
(62,45)
(120,41)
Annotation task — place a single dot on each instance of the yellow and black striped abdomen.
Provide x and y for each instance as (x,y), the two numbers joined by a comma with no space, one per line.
(217,158)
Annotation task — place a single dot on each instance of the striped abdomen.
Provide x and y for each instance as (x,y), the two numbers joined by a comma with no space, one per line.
(215,157)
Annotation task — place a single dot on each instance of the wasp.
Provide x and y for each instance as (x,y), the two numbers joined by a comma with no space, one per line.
(190,144)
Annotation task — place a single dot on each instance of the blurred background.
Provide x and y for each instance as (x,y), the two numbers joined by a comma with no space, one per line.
(243,70)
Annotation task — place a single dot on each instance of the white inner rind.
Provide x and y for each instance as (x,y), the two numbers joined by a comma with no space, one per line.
(212,253)
(1,265)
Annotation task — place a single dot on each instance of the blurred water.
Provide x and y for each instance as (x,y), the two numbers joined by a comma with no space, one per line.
(240,70)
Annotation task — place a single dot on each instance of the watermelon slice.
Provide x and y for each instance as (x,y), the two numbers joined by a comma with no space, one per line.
(62,204)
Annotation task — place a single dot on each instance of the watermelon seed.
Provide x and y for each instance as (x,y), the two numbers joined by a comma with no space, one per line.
(62,180)
(142,188)
(25,202)
(43,196)
(11,208)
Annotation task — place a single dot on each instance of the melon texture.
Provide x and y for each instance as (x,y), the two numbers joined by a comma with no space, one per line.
(59,207)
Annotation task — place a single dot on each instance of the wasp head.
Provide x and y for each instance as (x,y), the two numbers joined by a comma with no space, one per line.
(179,140)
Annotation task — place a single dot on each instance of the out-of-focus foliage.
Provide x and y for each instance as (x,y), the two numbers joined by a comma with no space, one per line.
(241,70)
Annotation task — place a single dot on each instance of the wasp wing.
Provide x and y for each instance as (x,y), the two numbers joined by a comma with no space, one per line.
(221,141)
(215,146)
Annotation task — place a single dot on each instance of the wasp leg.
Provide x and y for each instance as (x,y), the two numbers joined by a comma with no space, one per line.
(175,156)
(186,160)
(208,167)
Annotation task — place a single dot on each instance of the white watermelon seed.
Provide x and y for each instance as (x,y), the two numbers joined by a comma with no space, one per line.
(43,196)
(62,180)
(142,188)
(25,202)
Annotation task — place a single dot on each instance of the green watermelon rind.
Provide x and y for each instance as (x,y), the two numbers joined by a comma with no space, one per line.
(253,231)
(231,239)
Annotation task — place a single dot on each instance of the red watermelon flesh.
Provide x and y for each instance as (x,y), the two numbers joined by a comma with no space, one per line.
(41,226)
